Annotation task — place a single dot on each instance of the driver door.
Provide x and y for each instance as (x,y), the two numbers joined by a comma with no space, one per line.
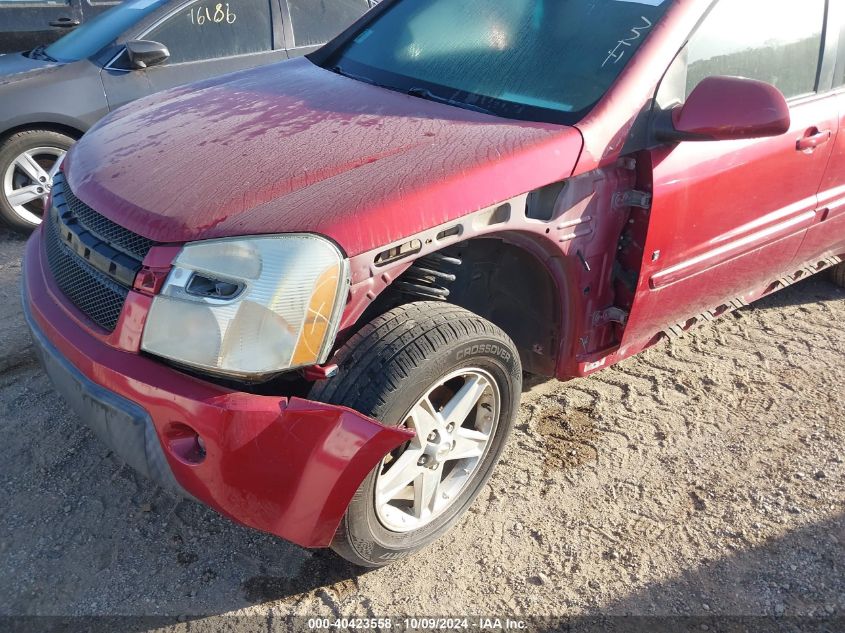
(729,216)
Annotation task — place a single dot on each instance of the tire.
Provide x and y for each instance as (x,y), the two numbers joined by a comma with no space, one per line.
(18,174)
(837,274)
(440,351)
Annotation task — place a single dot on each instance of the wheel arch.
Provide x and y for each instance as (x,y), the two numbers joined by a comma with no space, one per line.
(514,278)
(49,126)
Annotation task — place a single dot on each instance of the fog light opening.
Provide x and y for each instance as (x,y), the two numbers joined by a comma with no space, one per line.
(185,444)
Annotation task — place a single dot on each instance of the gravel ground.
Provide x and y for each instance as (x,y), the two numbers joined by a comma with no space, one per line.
(703,477)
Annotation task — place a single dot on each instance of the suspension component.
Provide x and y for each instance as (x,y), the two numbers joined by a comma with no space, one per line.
(429,276)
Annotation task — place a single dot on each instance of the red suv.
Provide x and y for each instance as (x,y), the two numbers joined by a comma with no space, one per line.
(305,294)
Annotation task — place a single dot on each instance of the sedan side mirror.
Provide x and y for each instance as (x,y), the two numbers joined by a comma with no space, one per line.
(145,53)
(726,109)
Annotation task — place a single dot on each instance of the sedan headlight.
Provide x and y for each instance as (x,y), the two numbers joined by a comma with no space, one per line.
(249,307)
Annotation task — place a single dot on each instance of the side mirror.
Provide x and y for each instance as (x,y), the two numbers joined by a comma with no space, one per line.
(726,109)
(144,53)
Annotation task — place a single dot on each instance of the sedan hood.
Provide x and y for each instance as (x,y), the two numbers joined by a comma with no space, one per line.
(292,147)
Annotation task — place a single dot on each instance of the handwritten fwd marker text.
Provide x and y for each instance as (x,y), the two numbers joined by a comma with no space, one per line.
(619,51)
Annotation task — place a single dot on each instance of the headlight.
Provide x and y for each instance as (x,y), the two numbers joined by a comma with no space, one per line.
(249,307)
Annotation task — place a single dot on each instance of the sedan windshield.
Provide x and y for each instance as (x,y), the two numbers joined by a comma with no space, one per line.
(543,60)
(93,36)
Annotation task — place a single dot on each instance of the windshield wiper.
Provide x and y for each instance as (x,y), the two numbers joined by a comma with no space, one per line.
(339,71)
(425,93)
(38,53)
(422,93)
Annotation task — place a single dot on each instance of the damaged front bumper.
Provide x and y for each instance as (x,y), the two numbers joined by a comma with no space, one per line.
(287,466)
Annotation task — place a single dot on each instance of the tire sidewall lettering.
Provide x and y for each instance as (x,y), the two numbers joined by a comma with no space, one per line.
(491,348)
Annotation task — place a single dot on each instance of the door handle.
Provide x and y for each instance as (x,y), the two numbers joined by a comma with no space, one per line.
(64,23)
(813,139)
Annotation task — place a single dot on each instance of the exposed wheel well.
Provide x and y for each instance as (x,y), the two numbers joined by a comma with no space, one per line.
(497,280)
(67,130)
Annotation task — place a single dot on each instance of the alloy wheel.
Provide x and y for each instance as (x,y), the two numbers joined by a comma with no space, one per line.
(454,422)
(28,180)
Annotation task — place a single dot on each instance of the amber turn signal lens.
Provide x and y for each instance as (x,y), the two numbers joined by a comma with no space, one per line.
(317,318)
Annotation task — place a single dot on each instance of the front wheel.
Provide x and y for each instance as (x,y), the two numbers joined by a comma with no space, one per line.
(454,379)
(28,162)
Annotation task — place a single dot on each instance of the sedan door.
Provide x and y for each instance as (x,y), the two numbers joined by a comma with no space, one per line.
(25,24)
(728,217)
(309,24)
(205,39)
(93,8)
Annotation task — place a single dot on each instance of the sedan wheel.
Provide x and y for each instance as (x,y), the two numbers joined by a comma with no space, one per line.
(28,162)
(27,181)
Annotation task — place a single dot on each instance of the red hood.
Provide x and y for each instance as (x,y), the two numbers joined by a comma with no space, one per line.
(291,147)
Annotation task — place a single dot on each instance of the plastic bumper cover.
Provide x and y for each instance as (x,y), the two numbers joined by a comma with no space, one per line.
(284,466)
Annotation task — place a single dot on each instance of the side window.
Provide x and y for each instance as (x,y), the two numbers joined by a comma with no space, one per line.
(777,41)
(318,21)
(209,29)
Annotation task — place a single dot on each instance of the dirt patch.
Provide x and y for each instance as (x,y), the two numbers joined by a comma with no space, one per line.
(569,436)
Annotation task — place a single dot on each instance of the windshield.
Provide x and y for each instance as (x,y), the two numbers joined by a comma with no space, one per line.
(544,60)
(92,36)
